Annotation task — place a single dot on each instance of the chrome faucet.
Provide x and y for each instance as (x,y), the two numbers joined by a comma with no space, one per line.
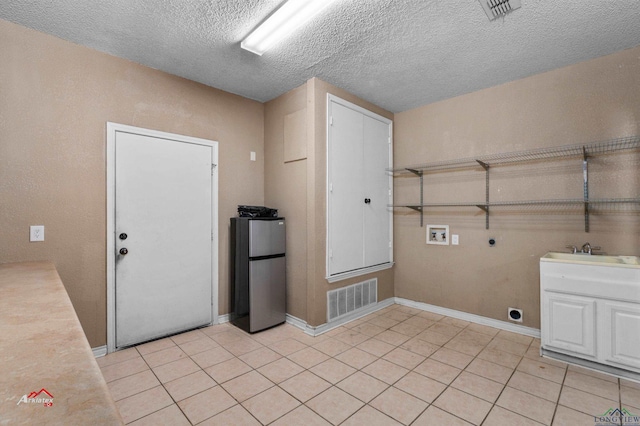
(574,249)
(587,249)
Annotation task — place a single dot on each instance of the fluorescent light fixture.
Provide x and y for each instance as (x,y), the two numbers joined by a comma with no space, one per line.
(281,23)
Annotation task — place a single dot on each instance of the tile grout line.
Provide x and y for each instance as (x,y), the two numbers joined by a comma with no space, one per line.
(359,370)
(522,358)
(282,356)
(461,371)
(429,357)
(441,347)
(620,397)
(392,385)
(220,383)
(505,385)
(163,387)
(493,404)
(377,358)
(163,384)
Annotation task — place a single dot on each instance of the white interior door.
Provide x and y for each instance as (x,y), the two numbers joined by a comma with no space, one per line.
(163,203)
(346,251)
(377,187)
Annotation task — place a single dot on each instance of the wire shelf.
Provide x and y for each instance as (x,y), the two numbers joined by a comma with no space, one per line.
(566,151)
(585,205)
(600,204)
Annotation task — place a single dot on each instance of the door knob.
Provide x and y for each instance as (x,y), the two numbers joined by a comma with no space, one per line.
(123,236)
(367,200)
(123,251)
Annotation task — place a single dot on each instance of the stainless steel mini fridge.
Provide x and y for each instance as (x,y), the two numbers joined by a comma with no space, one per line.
(258,272)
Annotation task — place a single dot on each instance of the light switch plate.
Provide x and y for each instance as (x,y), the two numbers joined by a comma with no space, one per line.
(252,156)
(454,239)
(36,233)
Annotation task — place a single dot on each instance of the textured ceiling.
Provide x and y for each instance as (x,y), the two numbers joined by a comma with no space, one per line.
(398,54)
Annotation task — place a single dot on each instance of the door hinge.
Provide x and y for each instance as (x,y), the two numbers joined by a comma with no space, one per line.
(389,140)
(212,236)
(331,187)
(331,121)
(213,167)
(330,254)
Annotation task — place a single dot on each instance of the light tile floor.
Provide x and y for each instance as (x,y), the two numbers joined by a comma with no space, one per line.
(396,366)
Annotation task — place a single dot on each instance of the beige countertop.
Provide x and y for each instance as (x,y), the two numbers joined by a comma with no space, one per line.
(43,347)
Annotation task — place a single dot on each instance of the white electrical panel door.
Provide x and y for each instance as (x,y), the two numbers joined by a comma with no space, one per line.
(346,198)
(359,221)
(377,187)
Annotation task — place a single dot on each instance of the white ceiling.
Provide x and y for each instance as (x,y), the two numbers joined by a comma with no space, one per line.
(398,54)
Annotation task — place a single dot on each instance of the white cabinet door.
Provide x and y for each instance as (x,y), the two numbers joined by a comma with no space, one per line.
(346,250)
(359,190)
(620,333)
(569,323)
(376,190)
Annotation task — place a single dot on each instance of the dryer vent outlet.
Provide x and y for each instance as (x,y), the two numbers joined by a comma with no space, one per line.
(497,8)
(515,314)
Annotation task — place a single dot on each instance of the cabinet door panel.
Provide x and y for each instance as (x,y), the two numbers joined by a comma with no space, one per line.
(377,235)
(345,190)
(570,323)
(620,334)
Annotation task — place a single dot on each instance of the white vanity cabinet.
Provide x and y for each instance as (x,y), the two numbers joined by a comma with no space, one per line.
(590,310)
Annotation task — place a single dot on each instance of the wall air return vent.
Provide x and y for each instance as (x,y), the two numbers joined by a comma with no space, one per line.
(349,299)
(497,8)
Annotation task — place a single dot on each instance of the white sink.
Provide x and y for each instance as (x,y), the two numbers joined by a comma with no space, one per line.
(616,277)
(586,259)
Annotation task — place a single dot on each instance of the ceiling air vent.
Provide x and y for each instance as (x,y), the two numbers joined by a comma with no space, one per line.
(497,8)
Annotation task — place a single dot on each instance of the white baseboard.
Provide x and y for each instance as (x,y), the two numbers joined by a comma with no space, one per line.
(502,325)
(296,322)
(99,351)
(323,328)
(594,366)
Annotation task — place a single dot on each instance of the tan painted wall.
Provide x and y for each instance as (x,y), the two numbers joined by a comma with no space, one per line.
(318,286)
(286,190)
(592,101)
(57,97)
(55,100)
(298,189)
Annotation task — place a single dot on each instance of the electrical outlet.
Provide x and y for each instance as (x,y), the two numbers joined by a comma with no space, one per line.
(252,156)
(36,233)
(455,240)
